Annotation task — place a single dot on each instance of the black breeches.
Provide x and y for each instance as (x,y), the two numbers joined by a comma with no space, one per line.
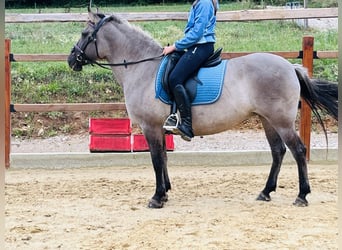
(189,63)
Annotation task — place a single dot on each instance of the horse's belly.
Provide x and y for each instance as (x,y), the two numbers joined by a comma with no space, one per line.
(218,117)
(232,108)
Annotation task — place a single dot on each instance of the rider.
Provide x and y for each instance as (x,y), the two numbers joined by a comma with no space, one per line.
(198,44)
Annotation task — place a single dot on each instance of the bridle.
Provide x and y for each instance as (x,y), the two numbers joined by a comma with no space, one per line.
(83,59)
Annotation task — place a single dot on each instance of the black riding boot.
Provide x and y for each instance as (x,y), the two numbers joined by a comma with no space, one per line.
(184,107)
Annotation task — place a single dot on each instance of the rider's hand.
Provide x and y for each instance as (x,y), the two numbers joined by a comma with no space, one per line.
(169,49)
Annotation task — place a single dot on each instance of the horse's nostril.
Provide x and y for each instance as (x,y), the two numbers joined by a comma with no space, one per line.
(76,67)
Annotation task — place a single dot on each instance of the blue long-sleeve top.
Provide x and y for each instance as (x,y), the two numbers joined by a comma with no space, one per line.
(201,25)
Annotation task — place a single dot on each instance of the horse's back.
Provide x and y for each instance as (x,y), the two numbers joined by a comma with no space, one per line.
(261,68)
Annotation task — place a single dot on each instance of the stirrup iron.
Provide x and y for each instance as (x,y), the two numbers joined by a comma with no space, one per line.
(171,122)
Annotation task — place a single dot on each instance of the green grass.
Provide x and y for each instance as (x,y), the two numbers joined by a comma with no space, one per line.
(49,82)
(55,82)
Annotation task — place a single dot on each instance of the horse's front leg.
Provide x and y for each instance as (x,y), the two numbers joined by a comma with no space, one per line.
(156,142)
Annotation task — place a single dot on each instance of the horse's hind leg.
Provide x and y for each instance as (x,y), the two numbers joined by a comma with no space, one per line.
(298,150)
(278,150)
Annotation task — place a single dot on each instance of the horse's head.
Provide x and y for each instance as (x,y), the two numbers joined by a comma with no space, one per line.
(86,50)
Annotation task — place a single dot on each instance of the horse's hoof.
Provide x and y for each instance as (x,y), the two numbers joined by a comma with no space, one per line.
(263,197)
(155,204)
(300,202)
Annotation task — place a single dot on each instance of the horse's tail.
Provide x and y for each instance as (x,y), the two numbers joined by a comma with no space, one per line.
(319,94)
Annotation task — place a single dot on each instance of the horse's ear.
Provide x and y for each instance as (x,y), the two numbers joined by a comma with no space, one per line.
(90,13)
(94,18)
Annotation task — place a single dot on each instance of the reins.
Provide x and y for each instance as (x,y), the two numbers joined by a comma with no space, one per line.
(125,63)
(83,58)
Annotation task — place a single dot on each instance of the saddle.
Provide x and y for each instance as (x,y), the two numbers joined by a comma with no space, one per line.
(191,84)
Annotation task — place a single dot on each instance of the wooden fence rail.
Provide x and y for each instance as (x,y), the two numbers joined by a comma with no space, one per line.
(222,16)
(67,107)
(225,55)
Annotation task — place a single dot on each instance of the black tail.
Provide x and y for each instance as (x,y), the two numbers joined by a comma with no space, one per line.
(319,94)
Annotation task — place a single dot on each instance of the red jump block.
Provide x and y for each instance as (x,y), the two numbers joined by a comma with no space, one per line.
(110,126)
(124,143)
(110,143)
(115,135)
(140,143)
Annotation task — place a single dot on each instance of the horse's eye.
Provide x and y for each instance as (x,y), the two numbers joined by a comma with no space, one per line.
(84,33)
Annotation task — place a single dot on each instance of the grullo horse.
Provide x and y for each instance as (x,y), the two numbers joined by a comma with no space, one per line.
(261,83)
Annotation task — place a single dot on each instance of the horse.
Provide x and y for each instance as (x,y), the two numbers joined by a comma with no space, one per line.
(261,84)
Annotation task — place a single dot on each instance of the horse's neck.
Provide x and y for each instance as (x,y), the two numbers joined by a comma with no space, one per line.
(136,80)
(135,46)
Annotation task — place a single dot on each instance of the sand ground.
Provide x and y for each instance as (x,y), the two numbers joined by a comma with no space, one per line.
(208,208)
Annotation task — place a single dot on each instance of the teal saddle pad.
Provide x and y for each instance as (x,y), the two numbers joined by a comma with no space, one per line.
(208,91)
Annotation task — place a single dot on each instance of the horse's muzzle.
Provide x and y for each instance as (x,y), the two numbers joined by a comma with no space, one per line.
(75,60)
(75,66)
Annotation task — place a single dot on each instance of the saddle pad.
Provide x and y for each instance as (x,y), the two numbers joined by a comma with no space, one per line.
(208,91)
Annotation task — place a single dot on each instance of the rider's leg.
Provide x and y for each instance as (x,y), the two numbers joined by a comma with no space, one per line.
(184,106)
(189,63)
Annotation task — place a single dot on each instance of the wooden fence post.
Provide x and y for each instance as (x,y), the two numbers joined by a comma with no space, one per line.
(7,102)
(305,111)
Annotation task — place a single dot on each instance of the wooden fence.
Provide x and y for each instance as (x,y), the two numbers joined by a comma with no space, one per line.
(307,54)
(222,16)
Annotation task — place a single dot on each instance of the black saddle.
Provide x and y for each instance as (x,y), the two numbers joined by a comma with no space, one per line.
(191,83)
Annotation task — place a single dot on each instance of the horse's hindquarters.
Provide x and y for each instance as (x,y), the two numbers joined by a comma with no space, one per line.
(258,83)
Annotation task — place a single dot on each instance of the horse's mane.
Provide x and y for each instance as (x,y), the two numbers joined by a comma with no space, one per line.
(132,28)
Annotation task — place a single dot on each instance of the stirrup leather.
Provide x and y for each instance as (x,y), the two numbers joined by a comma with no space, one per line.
(171,122)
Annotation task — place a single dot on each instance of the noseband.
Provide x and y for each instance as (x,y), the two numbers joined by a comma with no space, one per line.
(83,59)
